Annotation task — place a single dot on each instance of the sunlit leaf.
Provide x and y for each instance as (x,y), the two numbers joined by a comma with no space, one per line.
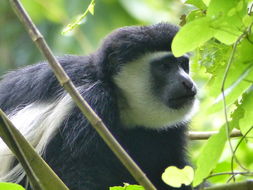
(197,3)
(247,20)
(240,71)
(36,168)
(176,177)
(91,7)
(227,34)
(210,155)
(222,7)
(80,19)
(206,2)
(192,35)
(10,186)
(127,187)
(195,14)
(229,19)
(246,122)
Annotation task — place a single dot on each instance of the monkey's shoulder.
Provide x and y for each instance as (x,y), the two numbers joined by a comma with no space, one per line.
(38,83)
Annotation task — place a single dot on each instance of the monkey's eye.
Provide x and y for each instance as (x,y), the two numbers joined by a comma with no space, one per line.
(165,65)
(168,62)
(184,63)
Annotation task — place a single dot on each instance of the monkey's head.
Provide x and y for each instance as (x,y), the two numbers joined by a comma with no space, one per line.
(154,87)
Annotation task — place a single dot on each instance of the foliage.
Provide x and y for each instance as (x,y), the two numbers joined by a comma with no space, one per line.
(219,32)
(35,167)
(80,18)
(213,149)
(127,187)
(10,186)
(176,177)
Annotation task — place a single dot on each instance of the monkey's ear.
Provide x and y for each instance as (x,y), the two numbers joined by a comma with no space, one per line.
(112,58)
(108,63)
(113,63)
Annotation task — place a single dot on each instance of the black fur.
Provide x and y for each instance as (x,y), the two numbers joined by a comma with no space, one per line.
(77,154)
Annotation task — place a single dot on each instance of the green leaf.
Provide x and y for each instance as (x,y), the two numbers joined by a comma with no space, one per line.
(79,20)
(222,166)
(222,7)
(192,35)
(35,167)
(197,3)
(91,7)
(235,89)
(195,14)
(206,2)
(247,20)
(237,114)
(176,177)
(10,186)
(240,71)
(227,34)
(229,16)
(127,187)
(210,155)
(246,122)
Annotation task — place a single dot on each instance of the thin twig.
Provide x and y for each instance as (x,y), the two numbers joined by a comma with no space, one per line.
(193,135)
(238,144)
(92,117)
(229,173)
(230,61)
(243,137)
(232,177)
(246,185)
(245,34)
(251,81)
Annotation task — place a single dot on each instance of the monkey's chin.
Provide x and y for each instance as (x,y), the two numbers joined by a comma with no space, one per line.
(180,102)
(188,110)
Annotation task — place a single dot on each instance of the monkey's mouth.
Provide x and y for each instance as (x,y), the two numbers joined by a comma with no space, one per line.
(179,102)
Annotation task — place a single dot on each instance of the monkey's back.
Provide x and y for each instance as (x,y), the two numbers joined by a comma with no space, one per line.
(38,83)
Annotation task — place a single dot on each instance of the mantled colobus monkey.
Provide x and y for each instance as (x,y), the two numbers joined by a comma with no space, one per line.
(143,94)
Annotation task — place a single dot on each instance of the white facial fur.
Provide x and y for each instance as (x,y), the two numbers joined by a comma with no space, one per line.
(139,107)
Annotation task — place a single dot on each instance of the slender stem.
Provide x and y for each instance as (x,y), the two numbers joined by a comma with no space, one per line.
(243,137)
(246,185)
(230,61)
(193,135)
(238,144)
(229,173)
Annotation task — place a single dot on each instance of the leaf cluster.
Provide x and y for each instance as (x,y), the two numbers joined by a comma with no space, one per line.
(220,34)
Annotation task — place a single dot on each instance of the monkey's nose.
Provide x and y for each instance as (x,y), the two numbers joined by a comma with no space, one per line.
(190,88)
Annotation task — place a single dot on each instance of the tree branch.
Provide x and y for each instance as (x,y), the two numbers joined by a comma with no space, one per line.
(206,135)
(65,81)
(245,185)
(230,173)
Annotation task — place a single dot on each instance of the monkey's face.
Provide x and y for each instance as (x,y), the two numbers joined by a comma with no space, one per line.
(171,82)
(156,91)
